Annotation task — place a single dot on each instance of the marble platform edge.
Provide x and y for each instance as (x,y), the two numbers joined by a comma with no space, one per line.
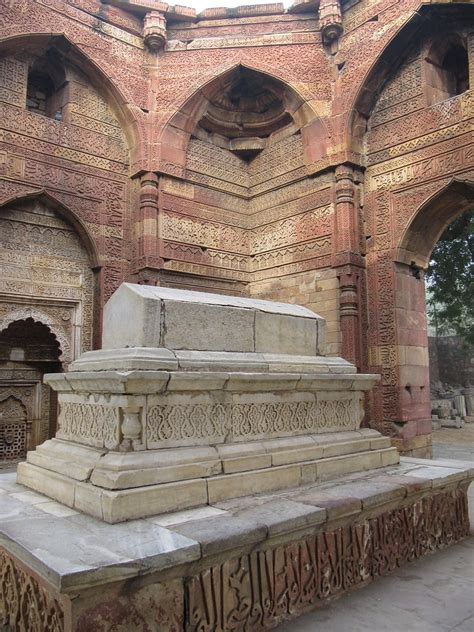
(117,497)
(122,470)
(160,358)
(247,522)
(143,381)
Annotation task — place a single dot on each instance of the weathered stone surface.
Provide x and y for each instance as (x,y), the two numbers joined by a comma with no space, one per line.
(222,533)
(78,567)
(161,317)
(109,166)
(283,516)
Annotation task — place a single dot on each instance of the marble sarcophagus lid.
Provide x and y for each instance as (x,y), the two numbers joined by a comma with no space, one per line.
(196,398)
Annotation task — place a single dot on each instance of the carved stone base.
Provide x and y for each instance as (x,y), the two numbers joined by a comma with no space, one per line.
(121,486)
(209,398)
(246,564)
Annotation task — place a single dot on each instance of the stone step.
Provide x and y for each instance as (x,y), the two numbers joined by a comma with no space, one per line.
(148,499)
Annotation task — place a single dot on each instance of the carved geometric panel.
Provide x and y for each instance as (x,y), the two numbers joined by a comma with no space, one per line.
(12,429)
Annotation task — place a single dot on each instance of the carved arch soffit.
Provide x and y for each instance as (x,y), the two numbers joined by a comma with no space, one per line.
(431,219)
(50,201)
(40,317)
(99,78)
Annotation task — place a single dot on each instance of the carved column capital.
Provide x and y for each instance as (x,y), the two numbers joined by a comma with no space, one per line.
(330,20)
(154,30)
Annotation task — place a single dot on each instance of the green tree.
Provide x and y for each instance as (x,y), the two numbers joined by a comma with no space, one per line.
(450,280)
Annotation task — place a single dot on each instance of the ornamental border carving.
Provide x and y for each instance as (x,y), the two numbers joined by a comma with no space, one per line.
(181,424)
(89,424)
(262,588)
(24,603)
(39,316)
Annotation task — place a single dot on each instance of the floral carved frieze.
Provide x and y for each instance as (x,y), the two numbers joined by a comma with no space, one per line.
(204,423)
(90,424)
(24,603)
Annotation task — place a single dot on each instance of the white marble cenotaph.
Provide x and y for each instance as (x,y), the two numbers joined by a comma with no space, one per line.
(196,398)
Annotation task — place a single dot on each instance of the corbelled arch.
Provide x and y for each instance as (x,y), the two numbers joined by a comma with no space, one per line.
(387,63)
(431,220)
(66,261)
(47,198)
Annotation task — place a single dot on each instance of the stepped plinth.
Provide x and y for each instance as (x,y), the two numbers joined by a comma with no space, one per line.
(197,398)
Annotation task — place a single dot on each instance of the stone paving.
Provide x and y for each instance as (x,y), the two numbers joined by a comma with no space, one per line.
(433,594)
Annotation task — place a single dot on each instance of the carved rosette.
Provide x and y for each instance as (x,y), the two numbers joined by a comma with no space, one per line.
(330,20)
(154,30)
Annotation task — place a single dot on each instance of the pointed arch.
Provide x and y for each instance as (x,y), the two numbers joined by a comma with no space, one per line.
(49,200)
(176,132)
(391,59)
(99,79)
(431,219)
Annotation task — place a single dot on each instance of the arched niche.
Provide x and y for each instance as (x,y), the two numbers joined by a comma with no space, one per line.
(28,349)
(48,262)
(432,26)
(243,110)
(446,68)
(55,57)
(48,295)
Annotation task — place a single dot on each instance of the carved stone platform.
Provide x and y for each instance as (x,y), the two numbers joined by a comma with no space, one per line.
(225,408)
(244,564)
(198,398)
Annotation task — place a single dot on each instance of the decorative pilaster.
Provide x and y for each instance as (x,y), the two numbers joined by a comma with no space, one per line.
(349,263)
(148,261)
(154,30)
(330,20)
(347,238)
